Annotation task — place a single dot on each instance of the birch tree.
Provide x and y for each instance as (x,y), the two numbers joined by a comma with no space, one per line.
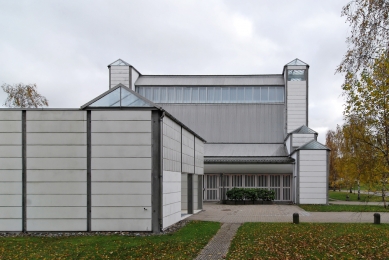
(23,96)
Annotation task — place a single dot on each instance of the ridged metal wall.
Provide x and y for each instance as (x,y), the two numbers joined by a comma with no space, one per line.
(233,123)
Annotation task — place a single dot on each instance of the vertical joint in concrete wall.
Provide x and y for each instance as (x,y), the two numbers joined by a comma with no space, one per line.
(200,191)
(89,169)
(24,170)
(156,171)
(298,179)
(190,193)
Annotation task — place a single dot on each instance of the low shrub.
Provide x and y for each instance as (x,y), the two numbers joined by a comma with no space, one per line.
(235,194)
(250,194)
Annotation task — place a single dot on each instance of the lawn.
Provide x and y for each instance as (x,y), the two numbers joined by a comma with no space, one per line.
(184,244)
(343,208)
(336,195)
(310,241)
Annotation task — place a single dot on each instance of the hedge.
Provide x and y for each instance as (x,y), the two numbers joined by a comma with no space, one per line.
(252,194)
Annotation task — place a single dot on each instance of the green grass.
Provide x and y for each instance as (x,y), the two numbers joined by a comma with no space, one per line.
(184,244)
(336,195)
(343,208)
(310,241)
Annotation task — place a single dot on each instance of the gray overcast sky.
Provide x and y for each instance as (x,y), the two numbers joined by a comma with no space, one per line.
(65,46)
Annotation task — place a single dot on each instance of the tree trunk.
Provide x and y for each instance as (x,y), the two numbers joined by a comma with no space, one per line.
(383,196)
(359,191)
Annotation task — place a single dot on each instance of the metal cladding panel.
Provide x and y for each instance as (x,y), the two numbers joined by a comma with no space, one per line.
(171,145)
(210,80)
(230,150)
(301,139)
(232,123)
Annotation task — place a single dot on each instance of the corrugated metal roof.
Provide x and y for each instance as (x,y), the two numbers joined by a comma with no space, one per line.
(313,145)
(267,160)
(303,130)
(220,150)
(232,123)
(210,80)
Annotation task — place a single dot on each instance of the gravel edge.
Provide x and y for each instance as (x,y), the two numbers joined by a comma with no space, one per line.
(172,229)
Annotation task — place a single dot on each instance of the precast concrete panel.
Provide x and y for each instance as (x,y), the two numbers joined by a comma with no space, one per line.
(133,224)
(121,127)
(120,74)
(171,201)
(134,78)
(297,94)
(121,170)
(199,156)
(117,139)
(64,115)
(195,191)
(313,176)
(187,152)
(56,170)
(171,145)
(121,116)
(11,171)
(121,176)
(184,191)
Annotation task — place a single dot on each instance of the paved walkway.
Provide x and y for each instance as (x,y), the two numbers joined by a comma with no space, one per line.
(217,248)
(233,215)
(279,213)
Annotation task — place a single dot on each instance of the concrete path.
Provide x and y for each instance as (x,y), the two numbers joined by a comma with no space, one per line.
(278,213)
(344,202)
(217,248)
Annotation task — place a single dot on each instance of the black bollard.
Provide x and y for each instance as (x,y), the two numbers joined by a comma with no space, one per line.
(296,218)
(377,218)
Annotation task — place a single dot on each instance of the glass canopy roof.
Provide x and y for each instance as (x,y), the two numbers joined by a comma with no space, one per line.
(119,62)
(120,97)
(297,62)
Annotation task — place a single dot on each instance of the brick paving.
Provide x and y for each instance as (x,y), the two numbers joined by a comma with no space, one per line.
(217,248)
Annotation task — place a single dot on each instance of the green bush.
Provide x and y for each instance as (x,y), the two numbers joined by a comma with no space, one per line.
(268,195)
(235,194)
(250,194)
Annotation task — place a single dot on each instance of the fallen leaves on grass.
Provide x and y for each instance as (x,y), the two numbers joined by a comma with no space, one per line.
(310,241)
(184,244)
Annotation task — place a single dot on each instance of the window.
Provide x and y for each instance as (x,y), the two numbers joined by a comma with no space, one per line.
(217,94)
(296,75)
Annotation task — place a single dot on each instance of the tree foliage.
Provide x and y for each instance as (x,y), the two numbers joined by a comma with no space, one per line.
(23,96)
(366,129)
(369,39)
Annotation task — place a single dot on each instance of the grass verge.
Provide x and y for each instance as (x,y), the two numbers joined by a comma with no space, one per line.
(336,195)
(310,241)
(184,244)
(344,208)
